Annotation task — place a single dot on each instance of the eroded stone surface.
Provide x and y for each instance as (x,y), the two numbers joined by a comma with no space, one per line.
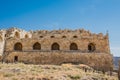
(55,47)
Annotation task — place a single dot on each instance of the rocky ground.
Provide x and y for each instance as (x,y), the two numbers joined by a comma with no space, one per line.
(22,71)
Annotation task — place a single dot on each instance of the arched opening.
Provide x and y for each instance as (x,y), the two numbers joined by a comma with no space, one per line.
(74,36)
(18,47)
(26,36)
(91,47)
(15,58)
(73,46)
(52,36)
(55,46)
(5,35)
(17,35)
(63,36)
(41,36)
(36,46)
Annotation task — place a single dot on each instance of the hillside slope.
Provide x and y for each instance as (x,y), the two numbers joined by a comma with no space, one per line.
(22,71)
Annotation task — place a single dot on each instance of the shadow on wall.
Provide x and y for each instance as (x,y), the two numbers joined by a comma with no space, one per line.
(1,39)
(17,35)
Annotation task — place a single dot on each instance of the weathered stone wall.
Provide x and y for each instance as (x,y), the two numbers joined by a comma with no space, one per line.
(17,33)
(2,41)
(11,33)
(1,47)
(64,43)
(100,57)
(46,38)
(98,60)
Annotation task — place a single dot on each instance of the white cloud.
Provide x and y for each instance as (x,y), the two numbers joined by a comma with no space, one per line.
(115,51)
(115,48)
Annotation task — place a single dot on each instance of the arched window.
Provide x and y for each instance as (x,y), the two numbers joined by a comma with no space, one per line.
(26,36)
(5,35)
(36,46)
(91,47)
(55,46)
(41,36)
(63,36)
(17,35)
(18,47)
(73,46)
(74,36)
(52,36)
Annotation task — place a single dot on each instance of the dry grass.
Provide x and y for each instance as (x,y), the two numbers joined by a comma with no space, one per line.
(22,71)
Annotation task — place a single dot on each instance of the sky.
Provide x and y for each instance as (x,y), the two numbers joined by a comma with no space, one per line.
(94,15)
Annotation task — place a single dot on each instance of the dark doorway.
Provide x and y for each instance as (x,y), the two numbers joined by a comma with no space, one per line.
(91,47)
(15,58)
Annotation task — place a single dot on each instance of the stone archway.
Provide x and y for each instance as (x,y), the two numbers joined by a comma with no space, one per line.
(26,36)
(18,46)
(73,46)
(55,46)
(36,46)
(91,47)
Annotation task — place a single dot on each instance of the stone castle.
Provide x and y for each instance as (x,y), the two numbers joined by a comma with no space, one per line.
(55,47)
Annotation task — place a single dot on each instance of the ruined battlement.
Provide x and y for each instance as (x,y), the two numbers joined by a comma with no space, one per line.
(54,47)
(79,33)
(64,38)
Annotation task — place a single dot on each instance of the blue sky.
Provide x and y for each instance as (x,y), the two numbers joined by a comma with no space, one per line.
(94,15)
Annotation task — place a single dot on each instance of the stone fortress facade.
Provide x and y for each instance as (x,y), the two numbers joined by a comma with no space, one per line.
(55,47)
